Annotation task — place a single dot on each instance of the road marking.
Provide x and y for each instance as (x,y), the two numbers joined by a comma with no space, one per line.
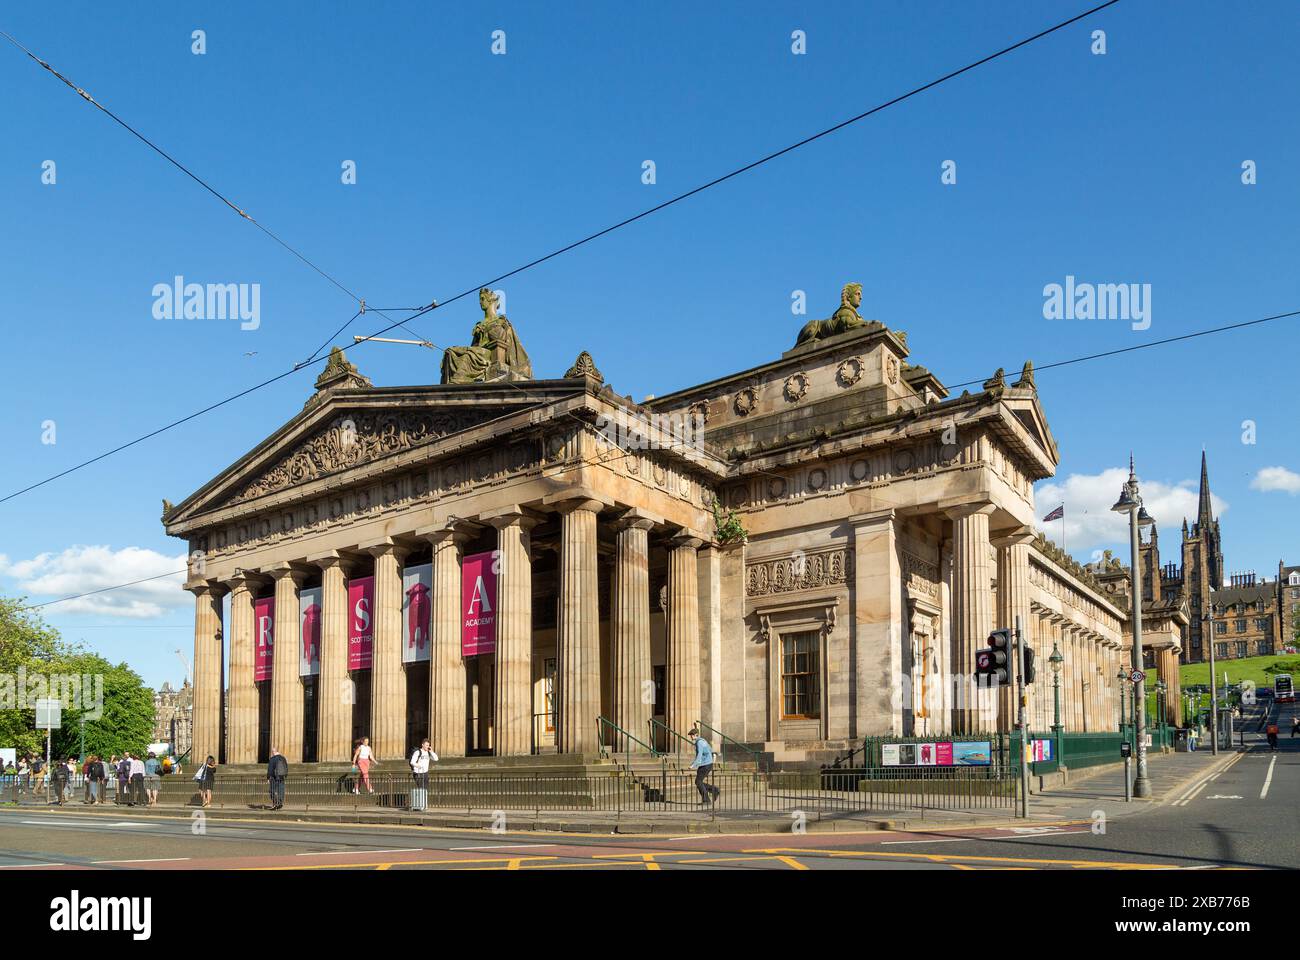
(35,863)
(507,846)
(327,853)
(156,860)
(1220,796)
(1268,780)
(885,843)
(949,858)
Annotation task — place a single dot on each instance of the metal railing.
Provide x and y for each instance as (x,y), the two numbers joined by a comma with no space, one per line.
(759,763)
(668,731)
(604,725)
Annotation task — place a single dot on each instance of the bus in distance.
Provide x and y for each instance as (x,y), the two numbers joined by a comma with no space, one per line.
(1283,689)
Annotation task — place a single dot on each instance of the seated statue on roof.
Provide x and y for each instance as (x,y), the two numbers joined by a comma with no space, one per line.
(841,321)
(494,352)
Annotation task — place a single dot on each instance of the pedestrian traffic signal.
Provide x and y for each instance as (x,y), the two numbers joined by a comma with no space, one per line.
(992,662)
(1029,664)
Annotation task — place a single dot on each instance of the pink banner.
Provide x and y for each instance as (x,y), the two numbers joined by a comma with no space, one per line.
(361,605)
(478,591)
(263,638)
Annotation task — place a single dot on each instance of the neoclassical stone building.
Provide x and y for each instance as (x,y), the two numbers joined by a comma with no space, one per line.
(799,554)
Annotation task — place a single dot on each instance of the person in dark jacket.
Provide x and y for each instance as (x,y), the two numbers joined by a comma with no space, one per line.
(59,776)
(277,768)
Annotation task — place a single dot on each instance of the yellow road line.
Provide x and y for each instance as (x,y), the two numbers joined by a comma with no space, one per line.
(952,858)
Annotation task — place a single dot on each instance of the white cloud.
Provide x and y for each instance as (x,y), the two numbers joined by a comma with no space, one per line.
(1090,525)
(81,569)
(1277,478)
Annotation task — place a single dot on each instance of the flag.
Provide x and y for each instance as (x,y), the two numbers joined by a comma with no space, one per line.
(1057,514)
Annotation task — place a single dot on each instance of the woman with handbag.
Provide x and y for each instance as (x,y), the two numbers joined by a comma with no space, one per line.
(205,777)
(362,758)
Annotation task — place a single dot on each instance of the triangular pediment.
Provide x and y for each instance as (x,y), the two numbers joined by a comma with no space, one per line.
(354,429)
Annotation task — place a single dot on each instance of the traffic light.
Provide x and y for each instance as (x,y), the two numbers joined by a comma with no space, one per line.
(993,662)
(1029,664)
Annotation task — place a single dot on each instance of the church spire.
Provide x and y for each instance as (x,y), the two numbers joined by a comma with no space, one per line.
(1204,514)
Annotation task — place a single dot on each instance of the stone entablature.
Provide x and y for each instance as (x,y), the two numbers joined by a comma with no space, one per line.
(797,571)
(1070,592)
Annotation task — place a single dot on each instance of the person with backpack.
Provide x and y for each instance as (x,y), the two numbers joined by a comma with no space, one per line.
(123,772)
(277,768)
(1271,732)
(59,779)
(152,778)
(420,761)
(38,775)
(703,767)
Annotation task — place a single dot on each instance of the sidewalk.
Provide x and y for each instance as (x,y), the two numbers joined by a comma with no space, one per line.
(1088,792)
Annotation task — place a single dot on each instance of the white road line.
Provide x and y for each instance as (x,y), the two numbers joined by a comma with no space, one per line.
(885,843)
(327,853)
(155,860)
(10,866)
(1191,796)
(508,846)
(1268,779)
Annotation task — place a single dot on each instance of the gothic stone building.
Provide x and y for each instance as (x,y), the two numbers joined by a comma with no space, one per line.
(798,555)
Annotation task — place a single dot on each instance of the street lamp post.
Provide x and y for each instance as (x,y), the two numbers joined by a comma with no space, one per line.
(1130,502)
(1056,660)
(1121,677)
(1162,706)
(1207,636)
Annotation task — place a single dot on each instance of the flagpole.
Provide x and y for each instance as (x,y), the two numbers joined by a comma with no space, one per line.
(1064,548)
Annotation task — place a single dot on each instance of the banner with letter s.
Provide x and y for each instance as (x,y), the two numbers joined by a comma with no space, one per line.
(361,620)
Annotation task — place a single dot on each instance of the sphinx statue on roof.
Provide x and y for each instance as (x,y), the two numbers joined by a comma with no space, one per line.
(494,353)
(844,319)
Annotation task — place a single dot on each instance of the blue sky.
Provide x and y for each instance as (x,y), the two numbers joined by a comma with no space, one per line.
(1122,168)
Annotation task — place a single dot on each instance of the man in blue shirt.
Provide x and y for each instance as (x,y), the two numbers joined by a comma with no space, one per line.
(703,766)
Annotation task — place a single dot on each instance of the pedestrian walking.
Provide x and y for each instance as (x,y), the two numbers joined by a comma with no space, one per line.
(1295,726)
(136,775)
(95,778)
(24,774)
(38,775)
(123,775)
(420,761)
(277,768)
(59,779)
(703,767)
(362,758)
(205,777)
(152,778)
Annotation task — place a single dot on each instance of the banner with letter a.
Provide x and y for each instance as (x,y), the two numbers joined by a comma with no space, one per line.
(478,608)
(309,610)
(361,635)
(263,638)
(417,612)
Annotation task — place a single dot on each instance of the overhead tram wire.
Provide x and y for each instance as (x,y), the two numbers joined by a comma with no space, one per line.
(597,461)
(188,172)
(520,269)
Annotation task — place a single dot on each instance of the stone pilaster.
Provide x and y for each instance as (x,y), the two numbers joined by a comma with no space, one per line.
(630,626)
(387,674)
(286,685)
(334,691)
(972,610)
(448,716)
(579,628)
(209,677)
(683,669)
(878,618)
(241,724)
(514,657)
(1013,605)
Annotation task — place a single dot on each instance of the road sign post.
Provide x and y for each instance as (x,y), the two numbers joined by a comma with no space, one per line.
(49,716)
(1021,677)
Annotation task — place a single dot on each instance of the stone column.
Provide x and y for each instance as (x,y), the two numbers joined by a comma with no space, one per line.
(683,668)
(387,674)
(972,608)
(241,724)
(630,626)
(334,691)
(286,685)
(514,659)
(1013,603)
(448,717)
(208,674)
(877,625)
(578,636)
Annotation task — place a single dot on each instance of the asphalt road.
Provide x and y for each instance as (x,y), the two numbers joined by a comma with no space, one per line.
(1245,815)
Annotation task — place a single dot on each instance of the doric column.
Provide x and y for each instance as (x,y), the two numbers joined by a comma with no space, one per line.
(448,718)
(579,628)
(286,685)
(630,625)
(514,657)
(387,676)
(334,693)
(683,668)
(1013,604)
(972,609)
(208,676)
(241,724)
(878,629)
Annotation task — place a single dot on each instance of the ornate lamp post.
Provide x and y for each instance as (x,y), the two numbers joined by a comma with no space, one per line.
(1121,677)
(1130,502)
(1056,660)
(1162,702)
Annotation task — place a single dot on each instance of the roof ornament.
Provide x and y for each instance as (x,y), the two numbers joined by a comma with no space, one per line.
(1027,376)
(584,366)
